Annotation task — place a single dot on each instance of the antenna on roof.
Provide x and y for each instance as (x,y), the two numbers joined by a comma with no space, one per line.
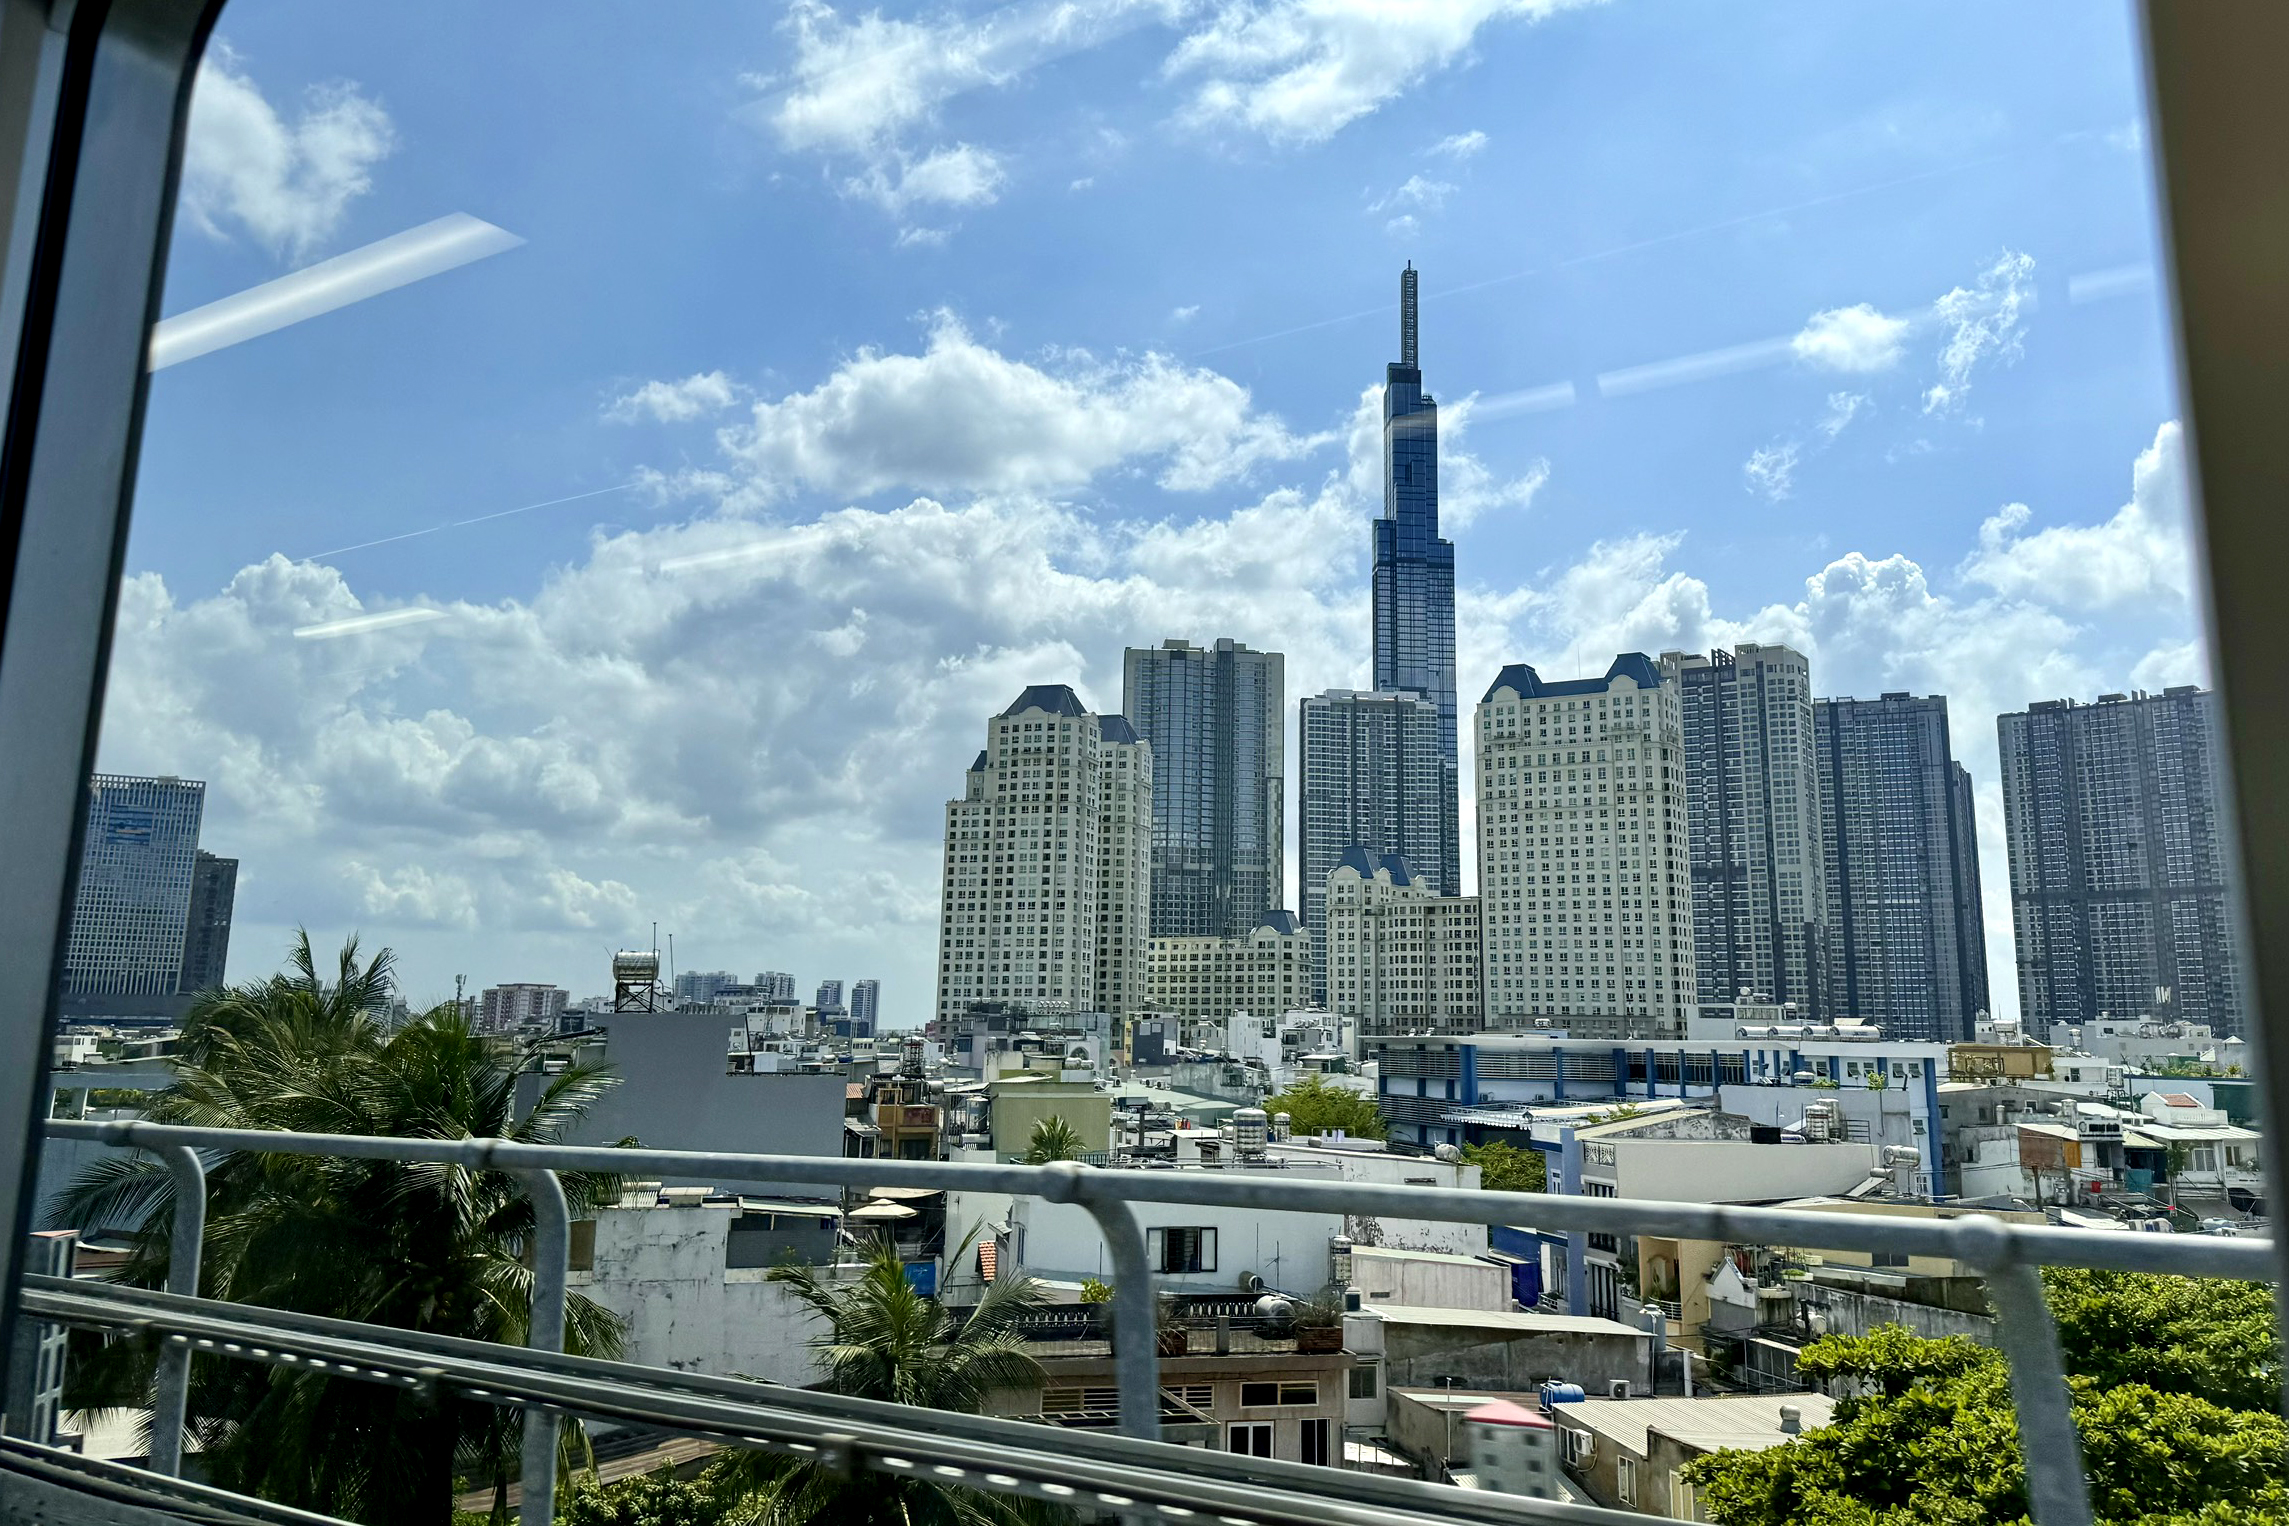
(1407,315)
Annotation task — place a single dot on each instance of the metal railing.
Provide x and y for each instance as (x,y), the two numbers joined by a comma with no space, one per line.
(2006,1254)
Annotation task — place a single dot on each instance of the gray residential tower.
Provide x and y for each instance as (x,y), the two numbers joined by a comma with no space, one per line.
(1371,778)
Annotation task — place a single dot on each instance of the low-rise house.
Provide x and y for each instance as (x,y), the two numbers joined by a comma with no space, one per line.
(1507,1352)
(1628,1454)
(1428,1279)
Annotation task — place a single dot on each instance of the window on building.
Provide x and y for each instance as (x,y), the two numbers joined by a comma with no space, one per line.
(1315,1443)
(1181,1250)
(1363,1380)
(1250,1438)
(1625,1480)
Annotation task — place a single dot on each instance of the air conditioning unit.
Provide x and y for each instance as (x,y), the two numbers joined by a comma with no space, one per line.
(1581,1446)
(1250,1283)
(1618,1389)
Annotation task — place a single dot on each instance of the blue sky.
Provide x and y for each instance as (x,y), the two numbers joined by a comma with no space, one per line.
(912,355)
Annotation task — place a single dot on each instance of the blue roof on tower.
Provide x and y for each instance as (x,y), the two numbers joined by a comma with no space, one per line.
(979,766)
(1529,684)
(1057,699)
(1367,861)
(1116,728)
(1284,922)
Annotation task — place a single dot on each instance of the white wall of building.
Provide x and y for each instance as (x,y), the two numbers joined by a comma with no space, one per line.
(663,1271)
(1731,1171)
(1287,1250)
(1425,1281)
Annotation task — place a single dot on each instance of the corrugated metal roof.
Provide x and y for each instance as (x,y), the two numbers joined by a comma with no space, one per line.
(1516,1321)
(1743,1422)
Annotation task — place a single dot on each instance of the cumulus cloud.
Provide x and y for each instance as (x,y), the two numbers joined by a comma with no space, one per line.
(1419,194)
(1858,338)
(961,417)
(1300,70)
(1461,145)
(285,182)
(1771,469)
(960,176)
(1843,408)
(1986,320)
(675,402)
(2140,555)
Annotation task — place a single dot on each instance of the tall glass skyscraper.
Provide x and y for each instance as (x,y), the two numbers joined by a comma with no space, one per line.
(1908,935)
(1414,579)
(133,906)
(1214,719)
(1370,779)
(2119,900)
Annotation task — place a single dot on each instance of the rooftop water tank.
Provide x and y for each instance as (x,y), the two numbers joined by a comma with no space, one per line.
(1251,1130)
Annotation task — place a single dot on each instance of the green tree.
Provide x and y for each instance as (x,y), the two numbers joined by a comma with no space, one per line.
(1503,1167)
(1314,1107)
(1053,1139)
(417,1247)
(1931,1437)
(658,1498)
(883,1339)
(2192,1335)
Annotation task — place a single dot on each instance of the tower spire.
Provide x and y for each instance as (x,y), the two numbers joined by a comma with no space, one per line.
(1407,315)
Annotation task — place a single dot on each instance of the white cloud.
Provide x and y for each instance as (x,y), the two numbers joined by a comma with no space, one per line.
(961,417)
(1843,408)
(1853,339)
(286,183)
(2141,555)
(1419,192)
(1082,184)
(1184,314)
(1985,321)
(1771,469)
(1299,70)
(676,402)
(961,176)
(1460,145)
(922,238)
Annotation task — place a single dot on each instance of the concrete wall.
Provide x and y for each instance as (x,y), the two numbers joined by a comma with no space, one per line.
(663,1271)
(675,1093)
(1851,1313)
(1390,1170)
(1726,1171)
(1418,1356)
(1018,1105)
(1429,1282)
(1288,1250)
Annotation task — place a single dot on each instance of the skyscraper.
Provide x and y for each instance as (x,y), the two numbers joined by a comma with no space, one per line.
(1048,873)
(1370,777)
(132,909)
(1760,883)
(1906,931)
(1214,720)
(2119,900)
(206,931)
(1414,581)
(1584,872)
(775,985)
(865,1008)
(829,1000)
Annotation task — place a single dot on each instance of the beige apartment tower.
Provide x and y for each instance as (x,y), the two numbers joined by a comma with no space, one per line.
(1583,859)
(1401,958)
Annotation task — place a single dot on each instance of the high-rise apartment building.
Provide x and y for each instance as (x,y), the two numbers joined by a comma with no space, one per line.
(1265,972)
(1401,958)
(775,986)
(1760,882)
(206,928)
(518,1005)
(829,999)
(1584,869)
(865,1008)
(1369,778)
(1906,933)
(2119,899)
(138,861)
(1124,865)
(1214,719)
(1414,585)
(697,987)
(1046,893)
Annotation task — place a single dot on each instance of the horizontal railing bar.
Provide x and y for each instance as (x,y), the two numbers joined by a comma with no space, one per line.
(1983,1241)
(139,1490)
(1031,1458)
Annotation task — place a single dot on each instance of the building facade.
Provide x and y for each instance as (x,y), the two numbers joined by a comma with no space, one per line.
(775,986)
(2119,899)
(865,1008)
(1369,778)
(1400,956)
(1414,587)
(1266,972)
(1760,897)
(700,986)
(1582,846)
(206,927)
(1214,719)
(1907,935)
(138,863)
(1047,881)
(522,1004)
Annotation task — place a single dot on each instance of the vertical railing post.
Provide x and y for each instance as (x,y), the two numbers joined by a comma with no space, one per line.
(1136,1341)
(2057,1493)
(552,1258)
(171,1388)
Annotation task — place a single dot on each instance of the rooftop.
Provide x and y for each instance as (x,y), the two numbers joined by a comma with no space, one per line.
(1738,1422)
(1517,1322)
(1521,679)
(1057,699)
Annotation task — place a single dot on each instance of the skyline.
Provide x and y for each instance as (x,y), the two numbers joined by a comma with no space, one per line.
(568,733)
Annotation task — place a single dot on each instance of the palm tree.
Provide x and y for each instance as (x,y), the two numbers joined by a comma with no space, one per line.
(419,1247)
(1053,1139)
(885,1340)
